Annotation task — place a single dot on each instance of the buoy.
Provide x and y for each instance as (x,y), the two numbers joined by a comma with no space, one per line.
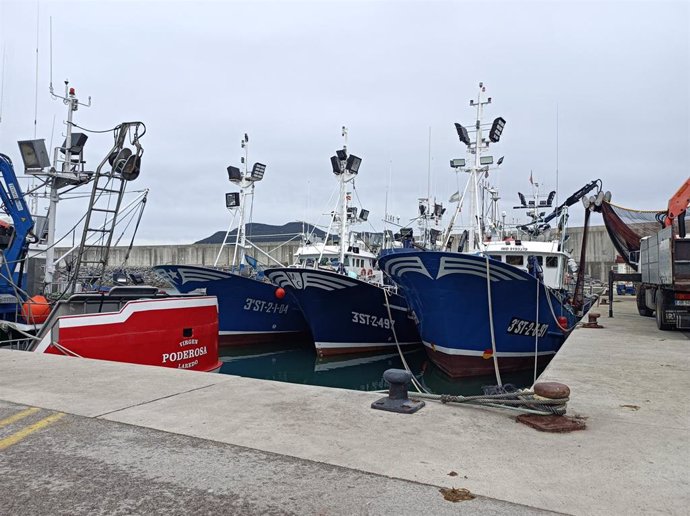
(363,272)
(36,310)
(280,293)
(370,272)
(562,322)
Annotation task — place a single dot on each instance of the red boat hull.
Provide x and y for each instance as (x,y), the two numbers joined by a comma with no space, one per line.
(176,332)
(461,366)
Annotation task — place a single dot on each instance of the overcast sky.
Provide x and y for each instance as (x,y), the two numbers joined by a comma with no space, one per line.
(290,74)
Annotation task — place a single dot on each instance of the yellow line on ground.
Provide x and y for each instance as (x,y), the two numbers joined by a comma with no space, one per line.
(18,416)
(25,432)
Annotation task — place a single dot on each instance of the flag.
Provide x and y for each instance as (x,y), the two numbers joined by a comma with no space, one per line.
(455,197)
(251,261)
(530,177)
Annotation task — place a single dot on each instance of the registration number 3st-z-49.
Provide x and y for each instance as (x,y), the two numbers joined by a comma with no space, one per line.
(269,307)
(372,320)
(527,328)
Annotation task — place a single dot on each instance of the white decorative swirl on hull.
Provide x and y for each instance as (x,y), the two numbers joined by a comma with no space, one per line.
(306,279)
(458,265)
(404,264)
(182,275)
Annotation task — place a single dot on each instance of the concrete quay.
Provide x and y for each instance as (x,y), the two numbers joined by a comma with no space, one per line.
(136,439)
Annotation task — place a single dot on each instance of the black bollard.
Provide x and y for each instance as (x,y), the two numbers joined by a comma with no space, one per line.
(397,400)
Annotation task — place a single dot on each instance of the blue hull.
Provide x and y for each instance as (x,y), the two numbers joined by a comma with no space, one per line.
(346,315)
(448,293)
(248,310)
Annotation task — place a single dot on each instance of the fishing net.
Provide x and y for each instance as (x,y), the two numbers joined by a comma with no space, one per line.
(627,227)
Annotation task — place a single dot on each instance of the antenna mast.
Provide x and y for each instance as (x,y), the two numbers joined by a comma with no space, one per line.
(71,173)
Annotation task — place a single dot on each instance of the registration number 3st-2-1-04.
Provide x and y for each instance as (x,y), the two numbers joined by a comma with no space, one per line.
(372,320)
(258,305)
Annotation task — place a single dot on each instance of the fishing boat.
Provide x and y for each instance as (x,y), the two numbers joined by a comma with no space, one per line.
(251,309)
(75,313)
(347,304)
(491,301)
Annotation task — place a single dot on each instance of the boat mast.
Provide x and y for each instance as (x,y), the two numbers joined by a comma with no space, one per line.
(475,236)
(480,168)
(343,205)
(57,179)
(240,238)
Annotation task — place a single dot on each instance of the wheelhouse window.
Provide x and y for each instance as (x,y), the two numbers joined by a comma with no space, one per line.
(552,261)
(496,257)
(515,259)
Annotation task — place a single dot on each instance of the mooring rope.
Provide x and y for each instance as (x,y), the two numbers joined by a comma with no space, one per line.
(419,387)
(523,401)
(491,322)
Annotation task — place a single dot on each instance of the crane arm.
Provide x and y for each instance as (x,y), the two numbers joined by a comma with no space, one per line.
(678,203)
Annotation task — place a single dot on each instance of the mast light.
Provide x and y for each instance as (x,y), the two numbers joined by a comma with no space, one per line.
(34,154)
(457,163)
(234,174)
(497,129)
(462,134)
(335,163)
(78,141)
(363,215)
(486,160)
(232,199)
(258,172)
(353,163)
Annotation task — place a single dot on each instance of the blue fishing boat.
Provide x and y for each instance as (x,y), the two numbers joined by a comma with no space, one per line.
(251,310)
(342,294)
(491,300)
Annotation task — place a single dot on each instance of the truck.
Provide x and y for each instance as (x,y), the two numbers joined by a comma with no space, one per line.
(664,265)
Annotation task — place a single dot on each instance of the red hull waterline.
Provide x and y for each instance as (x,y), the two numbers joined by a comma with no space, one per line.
(462,366)
(180,333)
(231,340)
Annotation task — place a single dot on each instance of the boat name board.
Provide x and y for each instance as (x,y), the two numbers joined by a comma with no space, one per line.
(259,305)
(176,356)
(372,320)
(527,328)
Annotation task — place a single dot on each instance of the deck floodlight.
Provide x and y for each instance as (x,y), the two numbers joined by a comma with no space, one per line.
(34,154)
(439,210)
(234,174)
(258,171)
(462,134)
(457,163)
(497,129)
(486,160)
(335,163)
(523,202)
(342,154)
(434,234)
(549,199)
(78,141)
(232,199)
(352,212)
(422,209)
(500,160)
(353,163)
(363,215)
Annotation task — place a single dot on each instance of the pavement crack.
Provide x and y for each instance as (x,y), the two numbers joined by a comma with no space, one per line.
(153,400)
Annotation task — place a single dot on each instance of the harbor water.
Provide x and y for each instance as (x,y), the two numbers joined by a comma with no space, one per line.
(298,363)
